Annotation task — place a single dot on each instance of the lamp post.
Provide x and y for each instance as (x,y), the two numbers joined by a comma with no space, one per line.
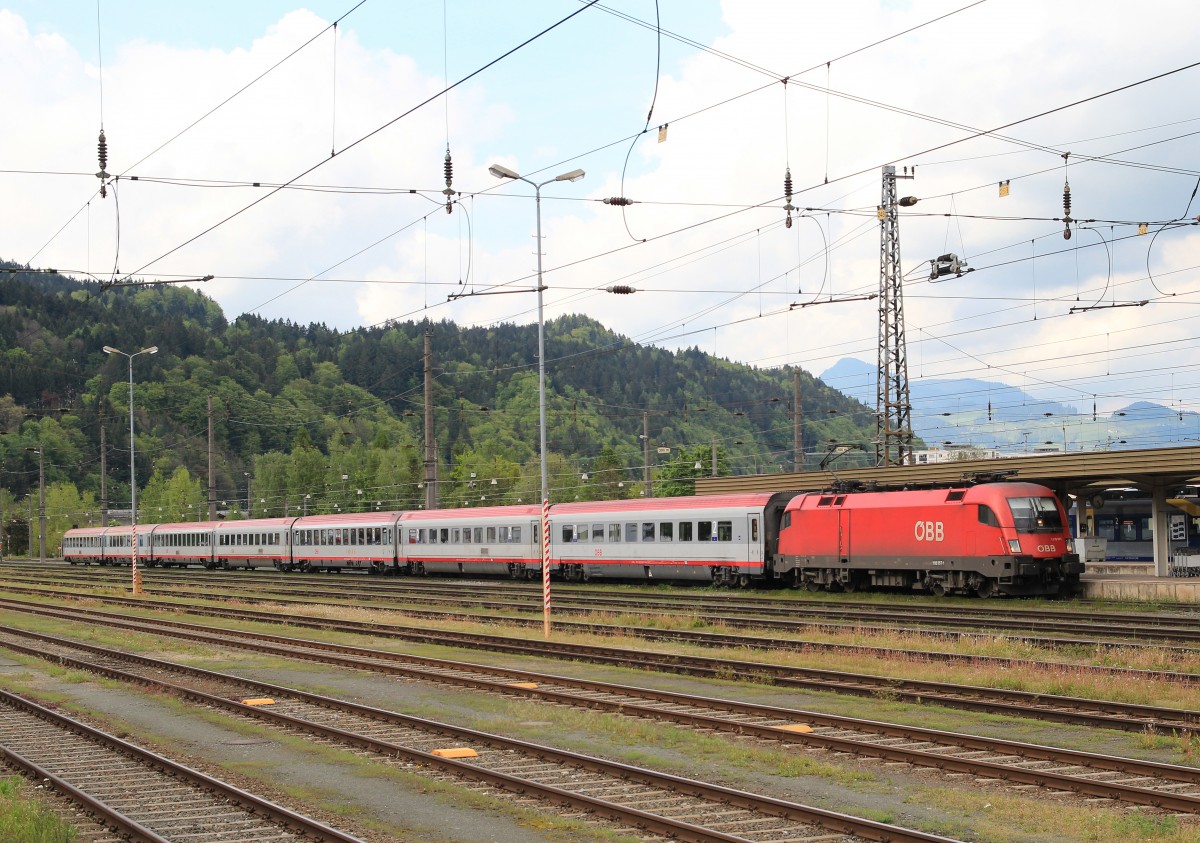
(133,545)
(501,172)
(41,504)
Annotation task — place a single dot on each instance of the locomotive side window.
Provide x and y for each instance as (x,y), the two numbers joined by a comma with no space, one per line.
(666,532)
(648,531)
(724,531)
(704,531)
(685,531)
(825,501)
(987,516)
(631,531)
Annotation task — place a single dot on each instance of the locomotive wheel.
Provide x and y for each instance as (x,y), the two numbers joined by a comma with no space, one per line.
(986,588)
(813,585)
(938,589)
(850,586)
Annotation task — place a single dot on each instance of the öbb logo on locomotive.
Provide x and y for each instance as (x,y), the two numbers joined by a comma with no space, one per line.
(1006,538)
(929,531)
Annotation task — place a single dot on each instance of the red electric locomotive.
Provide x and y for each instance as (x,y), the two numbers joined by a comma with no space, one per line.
(1007,538)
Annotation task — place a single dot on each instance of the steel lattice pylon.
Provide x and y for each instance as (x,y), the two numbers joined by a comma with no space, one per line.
(893,426)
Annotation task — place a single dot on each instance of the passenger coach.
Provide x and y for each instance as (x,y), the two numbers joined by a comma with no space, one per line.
(726,539)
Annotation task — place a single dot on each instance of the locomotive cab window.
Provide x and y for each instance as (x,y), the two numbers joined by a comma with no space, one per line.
(1035,515)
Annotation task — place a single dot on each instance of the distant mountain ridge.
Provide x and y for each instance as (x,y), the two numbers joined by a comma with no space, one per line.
(990,414)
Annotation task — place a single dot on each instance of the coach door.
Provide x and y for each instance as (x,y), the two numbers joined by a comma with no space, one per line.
(754,539)
(535,544)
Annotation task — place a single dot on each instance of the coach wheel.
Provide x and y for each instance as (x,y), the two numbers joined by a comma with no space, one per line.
(938,589)
(986,588)
(743,581)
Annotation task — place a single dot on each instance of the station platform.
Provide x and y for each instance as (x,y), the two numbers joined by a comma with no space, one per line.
(1138,586)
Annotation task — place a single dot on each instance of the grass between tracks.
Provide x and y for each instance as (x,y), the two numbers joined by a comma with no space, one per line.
(24,818)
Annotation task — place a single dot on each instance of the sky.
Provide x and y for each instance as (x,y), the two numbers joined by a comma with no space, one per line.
(209,108)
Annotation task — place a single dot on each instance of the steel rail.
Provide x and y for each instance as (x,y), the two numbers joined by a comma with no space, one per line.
(978,767)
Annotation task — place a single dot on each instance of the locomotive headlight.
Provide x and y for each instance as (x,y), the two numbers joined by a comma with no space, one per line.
(1014,545)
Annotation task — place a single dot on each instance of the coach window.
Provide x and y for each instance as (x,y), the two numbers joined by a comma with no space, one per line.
(568,533)
(648,531)
(491,535)
(666,532)
(504,536)
(753,529)
(598,533)
(704,531)
(478,534)
(455,535)
(614,533)
(581,532)
(631,531)
(353,537)
(987,516)
(445,535)
(724,531)
(516,535)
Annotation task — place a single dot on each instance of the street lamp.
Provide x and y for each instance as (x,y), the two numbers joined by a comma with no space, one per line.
(502,172)
(41,503)
(137,575)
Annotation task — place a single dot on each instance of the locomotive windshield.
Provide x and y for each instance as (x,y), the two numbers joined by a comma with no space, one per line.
(1035,515)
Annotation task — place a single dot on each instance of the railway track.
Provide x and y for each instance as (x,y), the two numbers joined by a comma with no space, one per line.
(790,616)
(708,639)
(1076,710)
(662,804)
(139,794)
(1167,786)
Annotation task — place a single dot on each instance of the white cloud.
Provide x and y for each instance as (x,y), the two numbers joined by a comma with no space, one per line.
(984,67)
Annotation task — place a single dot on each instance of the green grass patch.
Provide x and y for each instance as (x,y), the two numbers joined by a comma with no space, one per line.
(26,819)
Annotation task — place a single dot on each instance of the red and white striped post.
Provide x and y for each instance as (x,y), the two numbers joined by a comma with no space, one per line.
(546,567)
(133,556)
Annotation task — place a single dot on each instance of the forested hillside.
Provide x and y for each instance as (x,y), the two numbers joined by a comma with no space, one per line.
(312,419)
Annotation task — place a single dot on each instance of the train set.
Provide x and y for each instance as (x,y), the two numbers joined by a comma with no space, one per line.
(993,538)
